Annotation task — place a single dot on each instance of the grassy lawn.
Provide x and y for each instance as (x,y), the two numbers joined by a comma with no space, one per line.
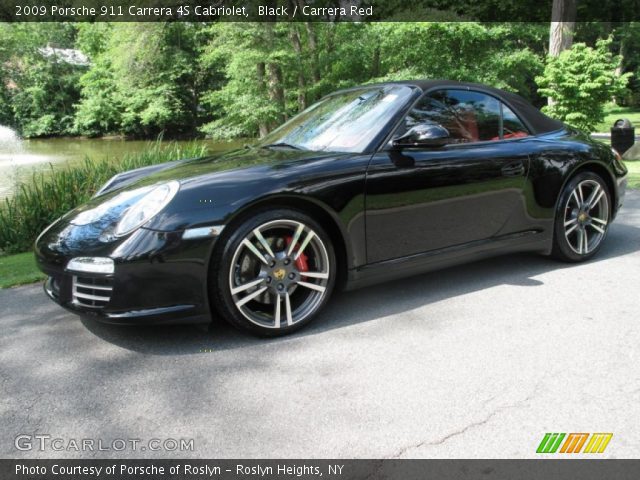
(613,113)
(634,174)
(18,269)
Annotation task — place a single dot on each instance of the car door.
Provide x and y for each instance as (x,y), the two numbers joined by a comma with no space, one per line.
(428,198)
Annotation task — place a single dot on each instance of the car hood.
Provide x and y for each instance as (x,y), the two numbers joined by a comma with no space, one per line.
(235,164)
(211,187)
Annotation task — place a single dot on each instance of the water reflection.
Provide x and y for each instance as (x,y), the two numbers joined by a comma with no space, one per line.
(20,158)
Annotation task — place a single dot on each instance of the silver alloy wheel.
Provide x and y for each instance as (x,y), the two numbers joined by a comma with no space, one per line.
(586,217)
(268,285)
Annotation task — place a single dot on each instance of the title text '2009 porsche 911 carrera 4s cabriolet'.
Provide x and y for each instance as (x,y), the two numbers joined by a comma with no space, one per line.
(368,184)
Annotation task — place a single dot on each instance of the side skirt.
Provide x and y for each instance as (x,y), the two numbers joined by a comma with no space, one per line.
(528,241)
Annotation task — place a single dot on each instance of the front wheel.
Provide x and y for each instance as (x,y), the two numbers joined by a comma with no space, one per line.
(275,273)
(582,218)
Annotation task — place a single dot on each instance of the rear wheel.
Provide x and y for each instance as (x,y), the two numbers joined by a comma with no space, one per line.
(275,273)
(582,219)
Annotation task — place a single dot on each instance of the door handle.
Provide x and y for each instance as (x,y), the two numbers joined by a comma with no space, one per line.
(513,169)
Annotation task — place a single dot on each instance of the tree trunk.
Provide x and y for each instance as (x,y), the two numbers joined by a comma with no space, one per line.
(621,52)
(313,46)
(375,67)
(563,24)
(275,87)
(260,67)
(302,83)
(276,91)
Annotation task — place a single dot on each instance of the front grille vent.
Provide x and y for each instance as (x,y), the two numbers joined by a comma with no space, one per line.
(91,292)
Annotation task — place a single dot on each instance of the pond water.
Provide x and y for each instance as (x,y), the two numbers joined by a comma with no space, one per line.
(19,158)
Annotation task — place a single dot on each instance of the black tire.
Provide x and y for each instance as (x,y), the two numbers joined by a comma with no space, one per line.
(574,218)
(236,265)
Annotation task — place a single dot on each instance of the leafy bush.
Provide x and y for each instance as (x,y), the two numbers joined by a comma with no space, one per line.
(581,81)
(274,70)
(48,195)
(40,85)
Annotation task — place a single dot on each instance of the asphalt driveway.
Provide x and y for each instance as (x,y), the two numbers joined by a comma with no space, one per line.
(475,361)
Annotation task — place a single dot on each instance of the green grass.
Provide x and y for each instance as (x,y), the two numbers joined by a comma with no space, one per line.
(613,113)
(634,174)
(18,270)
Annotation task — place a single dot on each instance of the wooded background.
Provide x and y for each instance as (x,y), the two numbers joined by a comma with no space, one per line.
(229,80)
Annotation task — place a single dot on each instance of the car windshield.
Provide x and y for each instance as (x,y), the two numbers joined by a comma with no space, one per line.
(343,122)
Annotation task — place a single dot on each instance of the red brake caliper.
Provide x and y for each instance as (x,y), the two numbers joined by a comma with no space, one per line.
(302,262)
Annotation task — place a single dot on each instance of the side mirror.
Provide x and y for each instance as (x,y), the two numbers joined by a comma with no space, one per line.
(423,135)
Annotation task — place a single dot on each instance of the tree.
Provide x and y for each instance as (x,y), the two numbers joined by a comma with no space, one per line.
(6,111)
(255,57)
(563,24)
(40,78)
(502,55)
(581,80)
(274,70)
(145,79)
(99,111)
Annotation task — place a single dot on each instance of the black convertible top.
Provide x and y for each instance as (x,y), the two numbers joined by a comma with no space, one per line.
(537,121)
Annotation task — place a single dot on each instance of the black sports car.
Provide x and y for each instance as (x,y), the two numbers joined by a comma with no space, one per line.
(368,184)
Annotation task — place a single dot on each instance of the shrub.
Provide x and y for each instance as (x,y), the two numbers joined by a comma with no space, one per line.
(48,195)
(580,81)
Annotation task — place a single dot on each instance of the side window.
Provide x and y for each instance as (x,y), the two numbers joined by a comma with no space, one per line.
(512,127)
(468,116)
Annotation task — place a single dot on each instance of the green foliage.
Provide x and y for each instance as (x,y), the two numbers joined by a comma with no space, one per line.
(627,36)
(6,115)
(47,195)
(580,81)
(144,79)
(39,84)
(246,50)
(497,54)
(100,111)
(244,79)
(309,61)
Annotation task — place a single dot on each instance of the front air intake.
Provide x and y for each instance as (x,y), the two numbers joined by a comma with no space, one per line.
(91,292)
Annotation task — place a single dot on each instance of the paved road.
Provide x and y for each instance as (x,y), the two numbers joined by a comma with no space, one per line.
(478,361)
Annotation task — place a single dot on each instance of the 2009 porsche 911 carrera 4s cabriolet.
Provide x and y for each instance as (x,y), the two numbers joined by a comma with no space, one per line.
(369,184)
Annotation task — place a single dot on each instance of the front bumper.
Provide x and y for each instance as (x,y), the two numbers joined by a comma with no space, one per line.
(158,277)
(64,290)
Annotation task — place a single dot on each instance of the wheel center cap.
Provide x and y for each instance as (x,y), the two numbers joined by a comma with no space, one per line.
(279,273)
(582,217)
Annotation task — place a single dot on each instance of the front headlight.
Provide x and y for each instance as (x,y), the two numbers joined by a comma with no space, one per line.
(112,210)
(146,207)
(125,211)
